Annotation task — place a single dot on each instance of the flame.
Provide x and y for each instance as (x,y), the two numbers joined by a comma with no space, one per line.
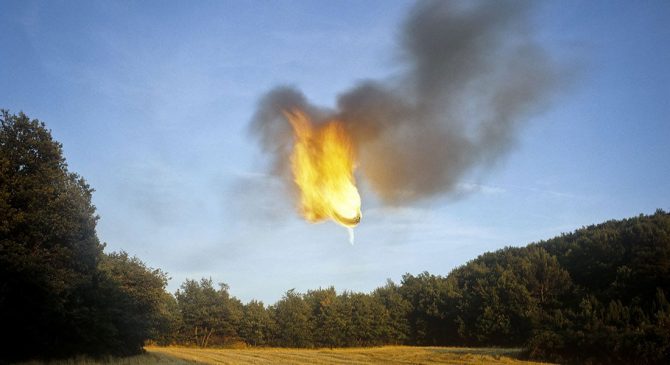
(322,163)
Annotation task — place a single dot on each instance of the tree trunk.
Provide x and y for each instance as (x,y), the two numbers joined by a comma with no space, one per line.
(206,340)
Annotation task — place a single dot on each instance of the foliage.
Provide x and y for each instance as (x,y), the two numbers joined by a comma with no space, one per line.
(130,296)
(619,311)
(398,308)
(256,326)
(59,294)
(208,314)
(597,295)
(428,296)
(48,247)
(292,315)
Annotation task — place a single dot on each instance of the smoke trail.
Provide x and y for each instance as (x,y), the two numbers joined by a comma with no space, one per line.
(472,74)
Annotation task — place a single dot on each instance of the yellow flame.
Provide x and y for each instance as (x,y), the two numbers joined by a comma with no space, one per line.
(323,164)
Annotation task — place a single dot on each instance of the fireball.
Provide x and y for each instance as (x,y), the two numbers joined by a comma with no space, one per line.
(322,163)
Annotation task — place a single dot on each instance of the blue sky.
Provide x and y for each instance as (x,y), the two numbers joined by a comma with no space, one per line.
(152,100)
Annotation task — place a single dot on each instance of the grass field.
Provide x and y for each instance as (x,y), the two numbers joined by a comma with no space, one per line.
(360,356)
(150,358)
(375,355)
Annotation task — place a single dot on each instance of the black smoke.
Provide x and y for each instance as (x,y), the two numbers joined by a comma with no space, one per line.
(472,74)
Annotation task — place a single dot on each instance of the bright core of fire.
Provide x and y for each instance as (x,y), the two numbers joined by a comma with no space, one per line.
(322,163)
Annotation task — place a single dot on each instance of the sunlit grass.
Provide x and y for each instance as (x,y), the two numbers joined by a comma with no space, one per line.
(360,356)
(373,355)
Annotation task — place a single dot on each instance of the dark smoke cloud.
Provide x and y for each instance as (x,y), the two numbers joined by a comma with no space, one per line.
(471,75)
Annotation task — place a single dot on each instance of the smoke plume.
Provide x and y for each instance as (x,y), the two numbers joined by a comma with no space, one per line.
(471,75)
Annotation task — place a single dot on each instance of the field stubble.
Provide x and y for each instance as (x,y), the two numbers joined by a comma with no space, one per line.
(356,356)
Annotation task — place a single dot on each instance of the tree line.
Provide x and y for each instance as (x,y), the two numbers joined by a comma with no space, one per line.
(596,295)
(60,293)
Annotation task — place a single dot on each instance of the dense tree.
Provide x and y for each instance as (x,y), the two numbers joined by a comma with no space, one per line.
(327,320)
(398,310)
(546,281)
(429,315)
(511,297)
(256,326)
(621,272)
(49,250)
(292,315)
(168,329)
(625,259)
(597,295)
(132,296)
(59,294)
(369,320)
(504,295)
(208,313)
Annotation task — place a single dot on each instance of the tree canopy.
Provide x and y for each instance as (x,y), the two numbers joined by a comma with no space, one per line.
(60,294)
(596,295)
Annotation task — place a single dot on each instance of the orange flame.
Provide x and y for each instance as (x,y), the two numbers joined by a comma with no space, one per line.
(323,164)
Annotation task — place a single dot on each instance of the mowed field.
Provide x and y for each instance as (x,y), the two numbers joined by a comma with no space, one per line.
(361,356)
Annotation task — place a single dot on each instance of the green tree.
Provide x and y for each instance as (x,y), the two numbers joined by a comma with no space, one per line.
(207,311)
(133,295)
(326,323)
(170,323)
(49,250)
(256,325)
(398,310)
(429,317)
(292,315)
(547,282)
(369,320)
(496,306)
(616,314)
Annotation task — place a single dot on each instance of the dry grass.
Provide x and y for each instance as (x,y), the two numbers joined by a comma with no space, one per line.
(360,356)
(151,358)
